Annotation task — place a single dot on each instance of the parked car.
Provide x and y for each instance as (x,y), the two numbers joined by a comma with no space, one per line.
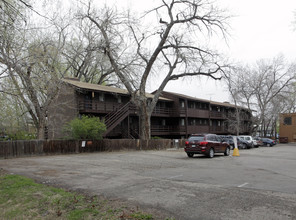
(257,141)
(268,142)
(248,141)
(207,144)
(230,140)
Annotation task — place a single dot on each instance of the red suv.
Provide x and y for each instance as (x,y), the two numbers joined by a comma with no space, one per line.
(207,144)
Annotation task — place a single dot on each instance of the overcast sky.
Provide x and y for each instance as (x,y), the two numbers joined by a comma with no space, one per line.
(260,29)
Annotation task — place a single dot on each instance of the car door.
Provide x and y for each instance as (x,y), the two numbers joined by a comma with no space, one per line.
(217,143)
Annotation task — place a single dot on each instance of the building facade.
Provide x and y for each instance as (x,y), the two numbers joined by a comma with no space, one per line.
(287,128)
(175,115)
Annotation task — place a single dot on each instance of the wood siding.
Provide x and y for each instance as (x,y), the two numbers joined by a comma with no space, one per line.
(174,116)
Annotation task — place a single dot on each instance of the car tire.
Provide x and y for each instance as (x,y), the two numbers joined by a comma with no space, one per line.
(244,146)
(211,153)
(227,151)
(190,154)
(268,145)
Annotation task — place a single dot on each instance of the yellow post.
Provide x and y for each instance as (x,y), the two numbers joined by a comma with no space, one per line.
(235,150)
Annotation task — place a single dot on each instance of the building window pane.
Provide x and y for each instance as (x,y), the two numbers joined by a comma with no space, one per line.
(101,97)
(182,103)
(287,121)
(182,122)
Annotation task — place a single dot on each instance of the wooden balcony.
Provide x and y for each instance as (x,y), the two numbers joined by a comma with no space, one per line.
(163,112)
(90,106)
(218,129)
(217,115)
(167,130)
(197,129)
(198,113)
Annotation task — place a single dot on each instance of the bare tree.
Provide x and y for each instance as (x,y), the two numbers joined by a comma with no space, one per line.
(84,59)
(11,10)
(262,88)
(233,84)
(30,59)
(171,47)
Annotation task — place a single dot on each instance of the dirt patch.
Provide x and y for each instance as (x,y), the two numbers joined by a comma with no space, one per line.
(2,172)
(53,173)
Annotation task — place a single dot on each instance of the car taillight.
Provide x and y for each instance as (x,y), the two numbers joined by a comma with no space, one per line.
(186,143)
(203,143)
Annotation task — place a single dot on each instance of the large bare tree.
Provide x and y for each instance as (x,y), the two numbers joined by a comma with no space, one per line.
(172,46)
(31,64)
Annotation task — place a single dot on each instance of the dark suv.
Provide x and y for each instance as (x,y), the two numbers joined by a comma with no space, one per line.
(207,144)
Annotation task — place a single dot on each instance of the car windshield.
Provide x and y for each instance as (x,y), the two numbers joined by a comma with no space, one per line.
(196,138)
(247,138)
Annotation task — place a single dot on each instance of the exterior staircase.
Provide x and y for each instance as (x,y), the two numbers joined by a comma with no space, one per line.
(118,115)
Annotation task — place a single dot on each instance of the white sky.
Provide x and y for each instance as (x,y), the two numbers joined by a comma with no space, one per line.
(260,29)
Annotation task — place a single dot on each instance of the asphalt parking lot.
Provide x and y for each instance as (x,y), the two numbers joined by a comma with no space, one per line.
(259,184)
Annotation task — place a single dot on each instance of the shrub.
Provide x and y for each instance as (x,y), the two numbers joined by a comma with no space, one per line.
(85,128)
(155,138)
(18,135)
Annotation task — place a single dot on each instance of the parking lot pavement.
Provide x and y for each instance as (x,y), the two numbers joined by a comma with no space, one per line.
(259,184)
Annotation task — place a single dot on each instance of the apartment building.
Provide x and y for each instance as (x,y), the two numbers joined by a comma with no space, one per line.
(175,115)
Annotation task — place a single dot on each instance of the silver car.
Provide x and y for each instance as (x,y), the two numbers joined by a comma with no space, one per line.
(249,139)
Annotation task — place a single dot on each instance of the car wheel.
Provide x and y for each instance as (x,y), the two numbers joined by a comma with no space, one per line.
(268,145)
(190,154)
(211,153)
(244,146)
(227,151)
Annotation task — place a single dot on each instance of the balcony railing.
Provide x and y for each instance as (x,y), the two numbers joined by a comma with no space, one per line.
(92,106)
(194,129)
(162,111)
(167,129)
(97,106)
(198,113)
(214,114)
(218,129)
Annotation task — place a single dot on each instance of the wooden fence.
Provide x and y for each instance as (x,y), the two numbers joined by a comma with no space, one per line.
(10,149)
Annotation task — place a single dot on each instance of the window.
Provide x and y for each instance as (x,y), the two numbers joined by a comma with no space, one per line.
(219,123)
(182,122)
(163,122)
(101,97)
(182,103)
(288,121)
(119,99)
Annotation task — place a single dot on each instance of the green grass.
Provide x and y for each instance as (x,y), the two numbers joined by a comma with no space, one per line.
(22,198)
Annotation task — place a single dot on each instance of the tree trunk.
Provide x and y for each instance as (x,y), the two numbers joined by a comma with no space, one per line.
(237,121)
(41,130)
(144,122)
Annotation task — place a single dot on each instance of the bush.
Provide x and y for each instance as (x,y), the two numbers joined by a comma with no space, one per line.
(19,135)
(85,128)
(155,138)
